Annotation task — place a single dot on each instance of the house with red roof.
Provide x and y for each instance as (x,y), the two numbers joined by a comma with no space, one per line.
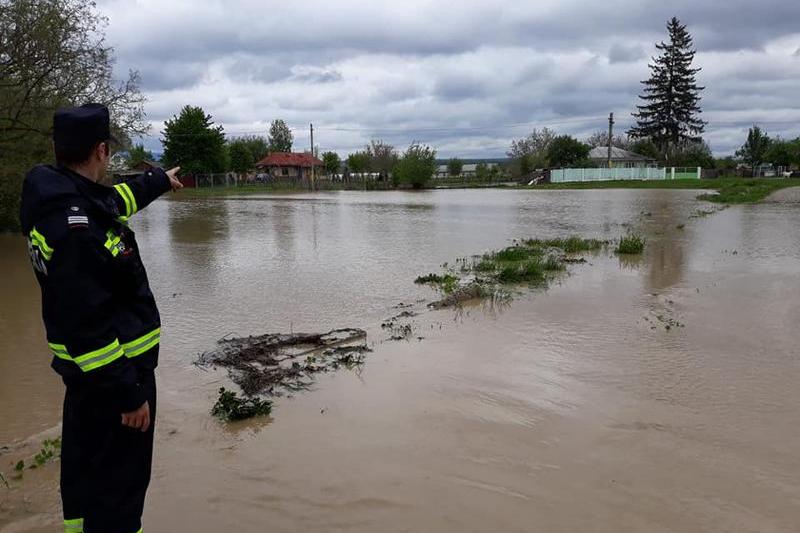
(285,165)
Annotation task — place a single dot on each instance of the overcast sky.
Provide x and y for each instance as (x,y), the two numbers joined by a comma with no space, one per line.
(464,76)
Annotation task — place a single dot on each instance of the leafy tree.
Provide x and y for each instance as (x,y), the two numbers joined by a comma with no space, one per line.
(671,109)
(647,148)
(358,162)
(695,154)
(783,153)
(726,164)
(257,145)
(565,151)
(526,163)
(193,142)
(241,159)
(245,152)
(138,155)
(530,152)
(455,166)
(332,162)
(280,137)
(600,138)
(417,166)
(755,148)
(482,171)
(53,53)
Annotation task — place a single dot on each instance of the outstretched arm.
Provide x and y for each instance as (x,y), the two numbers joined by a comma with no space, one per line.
(136,194)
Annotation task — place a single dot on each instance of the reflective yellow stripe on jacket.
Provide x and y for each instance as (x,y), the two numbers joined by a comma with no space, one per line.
(73,526)
(91,360)
(112,240)
(38,240)
(127,196)
(142,344)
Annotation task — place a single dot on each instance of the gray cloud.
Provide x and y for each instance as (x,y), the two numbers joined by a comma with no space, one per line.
(468,79)
(620,53)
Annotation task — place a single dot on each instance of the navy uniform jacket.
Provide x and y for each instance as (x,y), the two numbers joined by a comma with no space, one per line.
(101,318)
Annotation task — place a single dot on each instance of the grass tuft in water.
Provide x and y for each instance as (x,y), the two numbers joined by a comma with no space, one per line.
(435,279)
(531,271)
(230,407)
(630,244)
(516,253)
(570,245)
(553,264)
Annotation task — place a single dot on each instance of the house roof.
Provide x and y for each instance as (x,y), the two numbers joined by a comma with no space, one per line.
(617,154)
(287,159)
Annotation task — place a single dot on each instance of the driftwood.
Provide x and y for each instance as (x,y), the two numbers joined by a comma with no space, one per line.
(268,364)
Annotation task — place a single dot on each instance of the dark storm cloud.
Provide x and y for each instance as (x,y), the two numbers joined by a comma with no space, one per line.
(463,77)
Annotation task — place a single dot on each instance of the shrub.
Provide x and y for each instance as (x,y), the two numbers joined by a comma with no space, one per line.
(630,244)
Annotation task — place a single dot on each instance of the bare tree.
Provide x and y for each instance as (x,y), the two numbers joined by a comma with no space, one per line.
(382,157)
(600,138)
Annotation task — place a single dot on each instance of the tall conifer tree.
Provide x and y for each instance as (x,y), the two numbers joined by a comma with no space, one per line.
(670,113)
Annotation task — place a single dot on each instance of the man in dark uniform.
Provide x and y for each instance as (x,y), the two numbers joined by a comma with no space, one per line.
(103,326)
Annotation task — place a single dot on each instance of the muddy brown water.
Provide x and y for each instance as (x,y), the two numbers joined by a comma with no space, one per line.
(572,409)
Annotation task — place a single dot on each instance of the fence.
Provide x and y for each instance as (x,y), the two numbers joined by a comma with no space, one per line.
(321,183)
(564,175)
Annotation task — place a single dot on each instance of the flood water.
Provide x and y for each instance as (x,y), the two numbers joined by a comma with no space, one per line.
(572,409)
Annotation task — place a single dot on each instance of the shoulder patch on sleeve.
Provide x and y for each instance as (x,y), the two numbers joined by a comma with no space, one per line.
(77,218)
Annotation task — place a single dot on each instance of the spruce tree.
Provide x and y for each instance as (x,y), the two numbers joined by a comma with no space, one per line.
(670,113)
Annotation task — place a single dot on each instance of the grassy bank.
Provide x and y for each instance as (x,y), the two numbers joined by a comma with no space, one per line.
(729,190)
(747,190)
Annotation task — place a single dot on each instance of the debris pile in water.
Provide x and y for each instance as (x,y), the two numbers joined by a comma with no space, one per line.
(276,362)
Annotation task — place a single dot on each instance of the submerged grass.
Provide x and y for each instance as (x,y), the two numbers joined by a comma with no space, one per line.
(516,253)
(434,278)
(631,245)
(570,245)
(531,261)
(531,271)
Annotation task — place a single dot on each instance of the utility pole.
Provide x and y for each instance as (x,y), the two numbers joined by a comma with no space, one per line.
(610,136)
(312,157)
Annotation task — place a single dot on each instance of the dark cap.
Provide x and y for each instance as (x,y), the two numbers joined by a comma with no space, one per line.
(84,126)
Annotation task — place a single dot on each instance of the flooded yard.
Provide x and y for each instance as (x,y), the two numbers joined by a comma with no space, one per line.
(655,393)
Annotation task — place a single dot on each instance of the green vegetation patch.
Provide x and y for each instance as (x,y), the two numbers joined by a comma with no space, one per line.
(570,245)
(746,191)
(230,407)
(531,261)
(435,278)
(630,245)
(515,253)
(527,271)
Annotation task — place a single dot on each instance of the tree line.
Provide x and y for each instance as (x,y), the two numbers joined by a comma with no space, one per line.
(194,142)
(668,127)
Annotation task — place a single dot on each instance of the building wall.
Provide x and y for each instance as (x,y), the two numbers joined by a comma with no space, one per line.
(290,172)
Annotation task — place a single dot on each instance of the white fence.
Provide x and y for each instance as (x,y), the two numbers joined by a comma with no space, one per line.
(564,175)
